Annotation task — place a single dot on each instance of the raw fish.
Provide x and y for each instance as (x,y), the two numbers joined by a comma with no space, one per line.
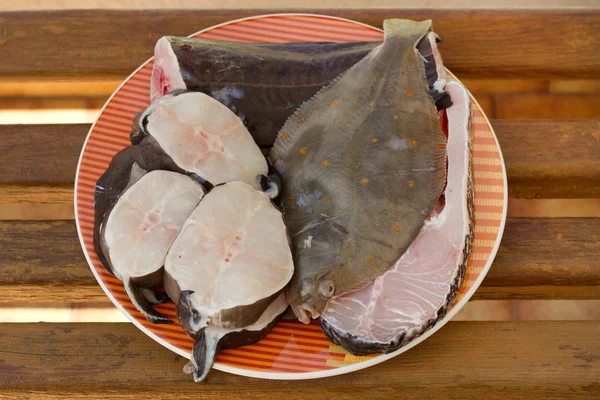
(141,226)
(229,262)
(261,83)
(201,137)
(410,298)
(363,164)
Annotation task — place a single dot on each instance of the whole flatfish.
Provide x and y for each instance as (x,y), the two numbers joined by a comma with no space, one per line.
(363,164)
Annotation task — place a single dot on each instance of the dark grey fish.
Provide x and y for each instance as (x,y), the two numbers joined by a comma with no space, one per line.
(363,164)
(261,83)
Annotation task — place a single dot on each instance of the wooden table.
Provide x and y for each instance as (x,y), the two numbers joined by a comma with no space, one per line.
(540,258)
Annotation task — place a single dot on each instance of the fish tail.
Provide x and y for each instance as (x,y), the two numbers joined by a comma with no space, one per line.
(404,28)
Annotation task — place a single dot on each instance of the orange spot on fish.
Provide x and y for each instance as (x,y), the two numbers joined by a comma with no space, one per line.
(346,135)
(410,92)
(400,39)
(364,181)
(297,112)
(325,163)
(303,150)
(282,135)
(442,145)
(397,228)
(374,140)
(369,260)
(411,184)
(335,103)
(325,199)
(372,103)
(442,176)
(292,198)
(413,143)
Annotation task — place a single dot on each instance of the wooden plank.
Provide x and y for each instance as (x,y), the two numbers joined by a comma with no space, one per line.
(466,360)
(547,106)
(40,154)
(551,159)
(544,159)
(538,259)
(482,43)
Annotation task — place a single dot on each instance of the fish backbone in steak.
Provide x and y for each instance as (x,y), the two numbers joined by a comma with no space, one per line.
(230,261)
(138,230)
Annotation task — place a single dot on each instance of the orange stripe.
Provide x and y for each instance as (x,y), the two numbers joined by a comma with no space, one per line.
(295,350)
(224,355)
(231,38)
(133,99)
(104,159)
(118,119)
(299,326)
(299,333)
(297,353)
(318,30)
(244,37)
(108,123)
(134,91)
(489,181)
(94,166)
(126,105)
(280,34)
(300,34)
(299,339)
(495,209)
(279,357)
(327,21)
(122,113)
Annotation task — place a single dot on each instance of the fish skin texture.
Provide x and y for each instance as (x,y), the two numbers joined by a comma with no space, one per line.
(419,290)
(261,83)
(363,164)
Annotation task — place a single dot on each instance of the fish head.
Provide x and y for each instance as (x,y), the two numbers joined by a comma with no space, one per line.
(317,267)
(309,296)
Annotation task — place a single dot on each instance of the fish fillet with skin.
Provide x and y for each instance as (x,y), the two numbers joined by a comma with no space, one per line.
(418,291)
(139,229)
(202,137)
(229,262)
(263,84)
(363,164)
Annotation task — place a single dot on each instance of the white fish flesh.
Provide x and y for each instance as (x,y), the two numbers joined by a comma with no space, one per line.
(203,137)
(141,227)
(229,262)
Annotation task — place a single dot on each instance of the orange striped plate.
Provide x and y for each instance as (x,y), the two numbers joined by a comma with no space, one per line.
(291,350)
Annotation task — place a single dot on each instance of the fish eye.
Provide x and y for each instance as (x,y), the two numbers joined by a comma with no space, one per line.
(327,288)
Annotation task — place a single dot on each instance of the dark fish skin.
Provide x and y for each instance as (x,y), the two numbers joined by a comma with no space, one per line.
(262,83)
(363,164)
(265,83)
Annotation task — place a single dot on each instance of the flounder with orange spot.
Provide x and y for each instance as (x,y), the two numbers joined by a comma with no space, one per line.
(366,182)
